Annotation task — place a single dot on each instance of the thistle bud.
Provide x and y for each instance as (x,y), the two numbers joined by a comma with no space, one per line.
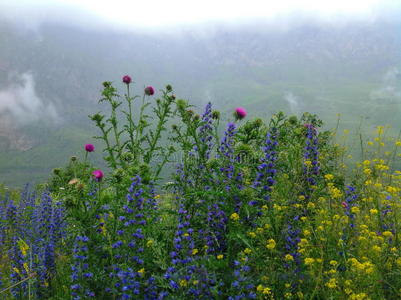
(127,79)
(149,91)
(240,113)
(216,114)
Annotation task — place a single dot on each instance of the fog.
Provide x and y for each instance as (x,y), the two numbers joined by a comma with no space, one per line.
(177,15)
(324,57)
(20,103)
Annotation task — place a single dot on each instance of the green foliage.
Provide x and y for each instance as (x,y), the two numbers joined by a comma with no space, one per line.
(266,209)
(134,142)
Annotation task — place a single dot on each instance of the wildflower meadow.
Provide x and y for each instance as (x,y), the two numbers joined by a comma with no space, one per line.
(201,205)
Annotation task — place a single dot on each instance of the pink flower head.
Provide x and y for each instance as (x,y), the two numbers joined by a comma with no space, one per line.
(344,204)
(89,148)
(98,174)
(240,113)
(127,79)
(149,91)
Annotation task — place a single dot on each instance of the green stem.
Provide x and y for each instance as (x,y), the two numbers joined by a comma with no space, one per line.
(139,131)
(109,150)
(18,283)
(115,130)
(157,135)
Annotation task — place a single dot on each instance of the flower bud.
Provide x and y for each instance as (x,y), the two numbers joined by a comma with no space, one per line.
(240,113)
(89,148)
(98,174)
(127,79)
(216,114)
(149,91)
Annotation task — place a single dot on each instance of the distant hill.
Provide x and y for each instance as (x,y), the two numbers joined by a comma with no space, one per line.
(50,78)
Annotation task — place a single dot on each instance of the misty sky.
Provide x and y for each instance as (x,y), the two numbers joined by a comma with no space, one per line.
(161,13)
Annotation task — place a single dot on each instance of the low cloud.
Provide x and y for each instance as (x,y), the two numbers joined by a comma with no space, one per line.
(20,103)
(390,90)
(293,102)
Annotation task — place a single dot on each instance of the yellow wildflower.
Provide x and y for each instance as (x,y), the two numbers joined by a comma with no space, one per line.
(355,209)
(289,257)
(348,291)
(271,244)
(332,283)
(252,234)
(333,263)
(367,171)
(376,248)
(310,205)
(234,217)
(23,247)
(25,265)
(183,283)
(267,291)
(247,251)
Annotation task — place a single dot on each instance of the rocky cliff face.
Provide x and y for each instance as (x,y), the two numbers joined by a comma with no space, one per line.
(11,138)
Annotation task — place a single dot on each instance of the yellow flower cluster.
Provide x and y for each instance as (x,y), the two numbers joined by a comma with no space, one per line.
(264,290)
(332,283)
(234,217)
(271,244)
(361,296)
(366,267)
(334,192)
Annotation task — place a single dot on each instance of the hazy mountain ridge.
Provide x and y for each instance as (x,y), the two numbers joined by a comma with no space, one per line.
(309,67)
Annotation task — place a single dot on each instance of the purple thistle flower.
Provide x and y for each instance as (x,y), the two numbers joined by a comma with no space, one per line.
(240,113)
(98,174)
(89,148)
(149,91)
(127,79)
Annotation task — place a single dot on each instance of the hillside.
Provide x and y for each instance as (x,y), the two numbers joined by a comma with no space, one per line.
(50,78)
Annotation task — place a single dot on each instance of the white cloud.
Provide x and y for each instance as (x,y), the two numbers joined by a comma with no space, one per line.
(390,89)
(159,12)
(156,13)
(20,103)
